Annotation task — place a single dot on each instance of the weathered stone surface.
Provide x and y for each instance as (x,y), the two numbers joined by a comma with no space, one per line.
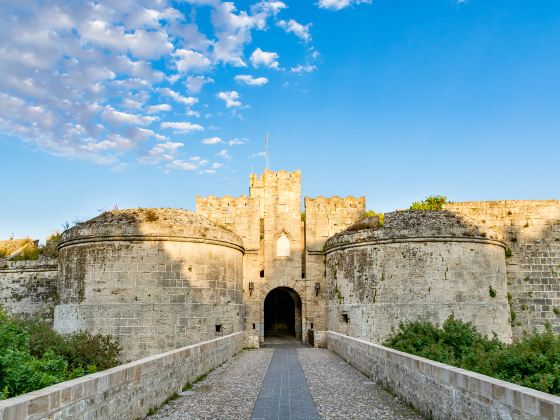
(421,265)
(28,288)
(157,279)
(531,230)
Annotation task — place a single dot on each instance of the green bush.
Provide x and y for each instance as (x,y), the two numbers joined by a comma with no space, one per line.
(372,213)
(533,361)
(33,355)
(433,202)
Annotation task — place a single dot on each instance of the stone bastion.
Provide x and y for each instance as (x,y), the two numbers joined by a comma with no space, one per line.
(420,265)
(156,279)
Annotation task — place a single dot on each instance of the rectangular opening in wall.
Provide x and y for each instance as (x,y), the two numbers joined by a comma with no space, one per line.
(302,275)
(312,325)
(261,274)
(253,326)
(345,318)
(218,328)
(262,229)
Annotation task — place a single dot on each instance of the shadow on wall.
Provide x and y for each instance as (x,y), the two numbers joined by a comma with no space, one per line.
(157,279)
(531,231)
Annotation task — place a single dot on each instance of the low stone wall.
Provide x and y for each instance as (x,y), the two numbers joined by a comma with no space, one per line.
(441,391)
(127,391)
(28,288)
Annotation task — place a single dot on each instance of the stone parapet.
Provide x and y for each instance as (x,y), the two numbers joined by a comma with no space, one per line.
(127,391)
(441,391)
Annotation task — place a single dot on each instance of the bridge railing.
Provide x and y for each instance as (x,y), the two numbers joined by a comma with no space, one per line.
(127,391)
(438,390)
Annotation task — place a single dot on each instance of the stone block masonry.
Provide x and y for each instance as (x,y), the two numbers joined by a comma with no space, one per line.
(127,391)
(155,279)
(441,391)
(531,232)
(28,288)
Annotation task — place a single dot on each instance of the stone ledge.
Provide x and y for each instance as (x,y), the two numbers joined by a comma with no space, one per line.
(144,383)
(441,391)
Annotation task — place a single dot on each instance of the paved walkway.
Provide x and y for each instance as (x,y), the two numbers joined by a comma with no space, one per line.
(284,392)
(285,380)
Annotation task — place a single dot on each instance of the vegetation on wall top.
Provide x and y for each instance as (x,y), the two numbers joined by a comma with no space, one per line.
(373,213)
(432,202)
(533,361)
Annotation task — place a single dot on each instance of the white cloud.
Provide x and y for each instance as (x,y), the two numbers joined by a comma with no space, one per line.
(303,68)
(258,155)
(223,154)
(118,117)
(161,152)
(195,83)
(182,127)
(212,140)
(260,58)
(299,30)
(189,61)
(76,76)
(154,109)
(182,165)
(230,98)
(235,142)
(339,4)
(217,165)
(187,100)
(250,80)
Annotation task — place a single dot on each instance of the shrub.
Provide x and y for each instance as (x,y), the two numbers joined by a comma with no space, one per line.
(51,243)
(432,202)
(508,252)
(533,361)
(33,355)
(28,249)
(373,213)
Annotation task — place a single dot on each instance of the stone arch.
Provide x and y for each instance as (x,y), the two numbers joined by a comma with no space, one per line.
(282,310)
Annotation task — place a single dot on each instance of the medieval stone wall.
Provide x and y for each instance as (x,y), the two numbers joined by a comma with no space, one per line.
(531,231)
(324,217)
(28,288)
(156,279)
(419,266)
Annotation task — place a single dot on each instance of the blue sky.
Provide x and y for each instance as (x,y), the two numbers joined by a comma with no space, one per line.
(147,104)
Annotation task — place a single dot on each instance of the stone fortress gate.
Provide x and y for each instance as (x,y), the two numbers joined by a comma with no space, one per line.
(283,266)
(159,279)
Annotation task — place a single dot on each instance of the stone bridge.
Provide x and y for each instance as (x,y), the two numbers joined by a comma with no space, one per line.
(219,379)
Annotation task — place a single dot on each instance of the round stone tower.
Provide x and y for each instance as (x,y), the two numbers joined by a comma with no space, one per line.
(420,265)
(157,279)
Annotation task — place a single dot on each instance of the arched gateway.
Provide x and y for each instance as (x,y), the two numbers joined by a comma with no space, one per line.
(282,313)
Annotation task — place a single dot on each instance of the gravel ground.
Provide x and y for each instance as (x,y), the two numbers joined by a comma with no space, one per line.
(228,392)
(341,392)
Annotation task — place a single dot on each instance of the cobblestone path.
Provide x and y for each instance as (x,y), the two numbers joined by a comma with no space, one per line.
(285,380)
(341,392)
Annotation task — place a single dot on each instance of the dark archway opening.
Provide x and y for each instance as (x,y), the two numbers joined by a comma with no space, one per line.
(282,311)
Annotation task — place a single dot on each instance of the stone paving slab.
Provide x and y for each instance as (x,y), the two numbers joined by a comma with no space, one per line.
(342,392)
(284,393)
(228,392)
